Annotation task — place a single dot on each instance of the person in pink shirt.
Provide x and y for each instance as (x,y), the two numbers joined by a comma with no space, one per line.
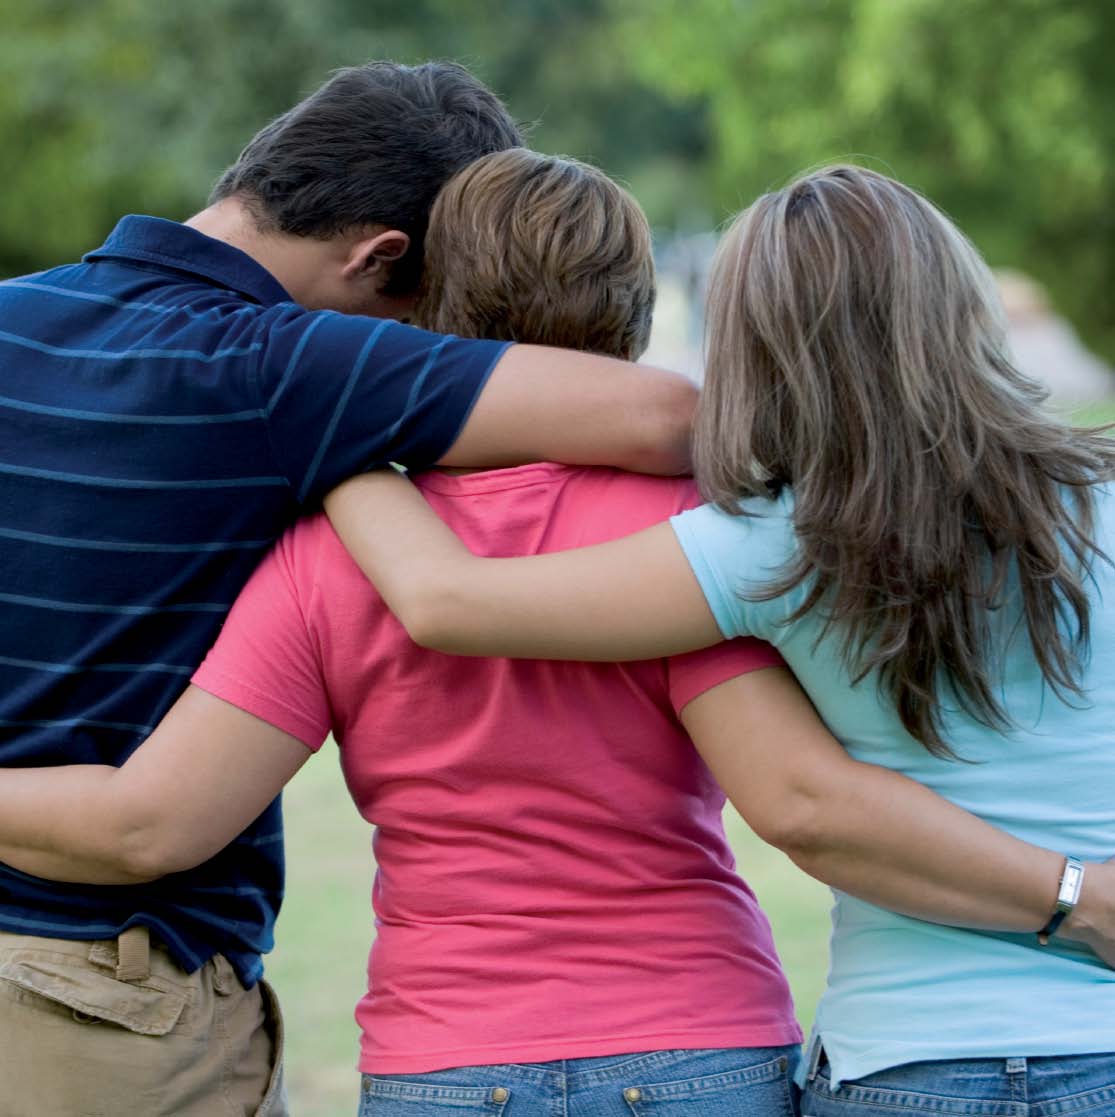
(560,927)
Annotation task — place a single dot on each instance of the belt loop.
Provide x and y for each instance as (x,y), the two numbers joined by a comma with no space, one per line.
(133,954)
(1016,1066)
(224,976)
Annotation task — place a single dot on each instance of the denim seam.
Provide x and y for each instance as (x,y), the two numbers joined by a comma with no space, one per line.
(602,1076)
(1074,1103)
(419,1091)
(694,1087)
(916,1101)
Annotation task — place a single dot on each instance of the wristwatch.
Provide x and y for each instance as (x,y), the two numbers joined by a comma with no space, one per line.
(1072,878)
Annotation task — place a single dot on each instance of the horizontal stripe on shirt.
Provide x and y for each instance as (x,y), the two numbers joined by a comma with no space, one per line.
(167,411)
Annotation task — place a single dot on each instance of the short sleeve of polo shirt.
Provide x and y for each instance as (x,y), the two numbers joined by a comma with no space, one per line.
(735,556)
(342,394)
(265,660)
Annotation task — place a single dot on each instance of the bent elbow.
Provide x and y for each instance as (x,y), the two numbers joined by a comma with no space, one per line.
(142,862)
(425,625)
(439,614)
(435,626)
(148,852)
(793,823)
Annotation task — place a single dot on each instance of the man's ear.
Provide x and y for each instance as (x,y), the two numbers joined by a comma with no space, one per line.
(377,253)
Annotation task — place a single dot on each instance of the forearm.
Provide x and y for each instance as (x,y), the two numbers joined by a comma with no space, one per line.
(417,564)
(635,598)
(888,840)
(876,835)
(205,773)
(64,824)
(545,404)
(872,832)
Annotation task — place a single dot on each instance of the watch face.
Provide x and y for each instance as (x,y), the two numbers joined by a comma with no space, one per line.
(1070,882)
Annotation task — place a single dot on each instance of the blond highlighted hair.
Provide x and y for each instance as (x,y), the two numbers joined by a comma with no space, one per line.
(535,248)
(856,352)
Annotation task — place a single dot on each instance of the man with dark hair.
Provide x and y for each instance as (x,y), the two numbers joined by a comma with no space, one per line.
(169,405)
(373,146)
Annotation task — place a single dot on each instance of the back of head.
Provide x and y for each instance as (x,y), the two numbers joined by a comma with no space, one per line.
(857,352)
(372,146)
(543,250)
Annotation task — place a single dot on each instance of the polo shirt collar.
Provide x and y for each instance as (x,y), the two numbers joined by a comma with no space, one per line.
(172,245)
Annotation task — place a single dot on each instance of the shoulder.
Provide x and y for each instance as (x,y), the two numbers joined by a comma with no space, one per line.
(735,555)
(758,532)
(309,551)
(596,505)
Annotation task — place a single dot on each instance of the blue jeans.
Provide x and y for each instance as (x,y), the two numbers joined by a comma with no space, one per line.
(1052,1086)
(735,1082)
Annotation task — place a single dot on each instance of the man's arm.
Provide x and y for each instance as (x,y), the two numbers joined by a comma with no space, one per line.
(544,404)
(872,832)
(340,394)
(205,773)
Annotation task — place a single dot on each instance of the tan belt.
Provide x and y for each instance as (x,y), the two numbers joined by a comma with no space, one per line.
(133,954)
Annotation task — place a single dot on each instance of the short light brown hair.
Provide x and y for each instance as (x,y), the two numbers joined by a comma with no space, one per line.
(539,249)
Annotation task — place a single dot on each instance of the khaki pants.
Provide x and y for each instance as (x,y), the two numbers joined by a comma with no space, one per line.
(117,1029)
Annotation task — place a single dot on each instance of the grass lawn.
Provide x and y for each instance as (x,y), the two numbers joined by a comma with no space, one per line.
(319,962)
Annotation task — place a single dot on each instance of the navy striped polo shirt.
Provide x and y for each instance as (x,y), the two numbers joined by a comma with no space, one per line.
(166,410)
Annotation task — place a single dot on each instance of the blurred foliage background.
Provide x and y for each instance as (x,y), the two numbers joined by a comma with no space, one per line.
(1001,110)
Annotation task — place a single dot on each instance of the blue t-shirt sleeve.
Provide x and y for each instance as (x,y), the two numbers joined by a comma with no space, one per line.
(342,394)
(733,557)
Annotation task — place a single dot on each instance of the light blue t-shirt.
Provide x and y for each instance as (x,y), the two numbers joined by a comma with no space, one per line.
(901,990)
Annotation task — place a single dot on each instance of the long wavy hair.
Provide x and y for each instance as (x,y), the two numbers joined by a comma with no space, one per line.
(856,352)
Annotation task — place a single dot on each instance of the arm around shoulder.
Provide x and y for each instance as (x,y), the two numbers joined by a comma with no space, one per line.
(634,598)
(543,404)
(208,770)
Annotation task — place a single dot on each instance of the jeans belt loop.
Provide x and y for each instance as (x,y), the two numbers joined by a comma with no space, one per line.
(133,954)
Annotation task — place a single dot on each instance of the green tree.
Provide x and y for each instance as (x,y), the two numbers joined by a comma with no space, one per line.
(121,105)
(1000,110)
(124,105)
(565,76)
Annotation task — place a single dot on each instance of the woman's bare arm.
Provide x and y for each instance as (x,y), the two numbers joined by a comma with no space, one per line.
(635,598)
(864,829)
(872,832)
(208,770)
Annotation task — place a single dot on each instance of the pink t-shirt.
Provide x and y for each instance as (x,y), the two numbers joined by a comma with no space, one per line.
(553,877)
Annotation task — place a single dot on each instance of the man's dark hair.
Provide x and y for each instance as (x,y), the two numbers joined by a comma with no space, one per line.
(373,145)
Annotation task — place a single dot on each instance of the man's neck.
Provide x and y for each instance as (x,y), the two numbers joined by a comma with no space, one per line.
(229,220)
